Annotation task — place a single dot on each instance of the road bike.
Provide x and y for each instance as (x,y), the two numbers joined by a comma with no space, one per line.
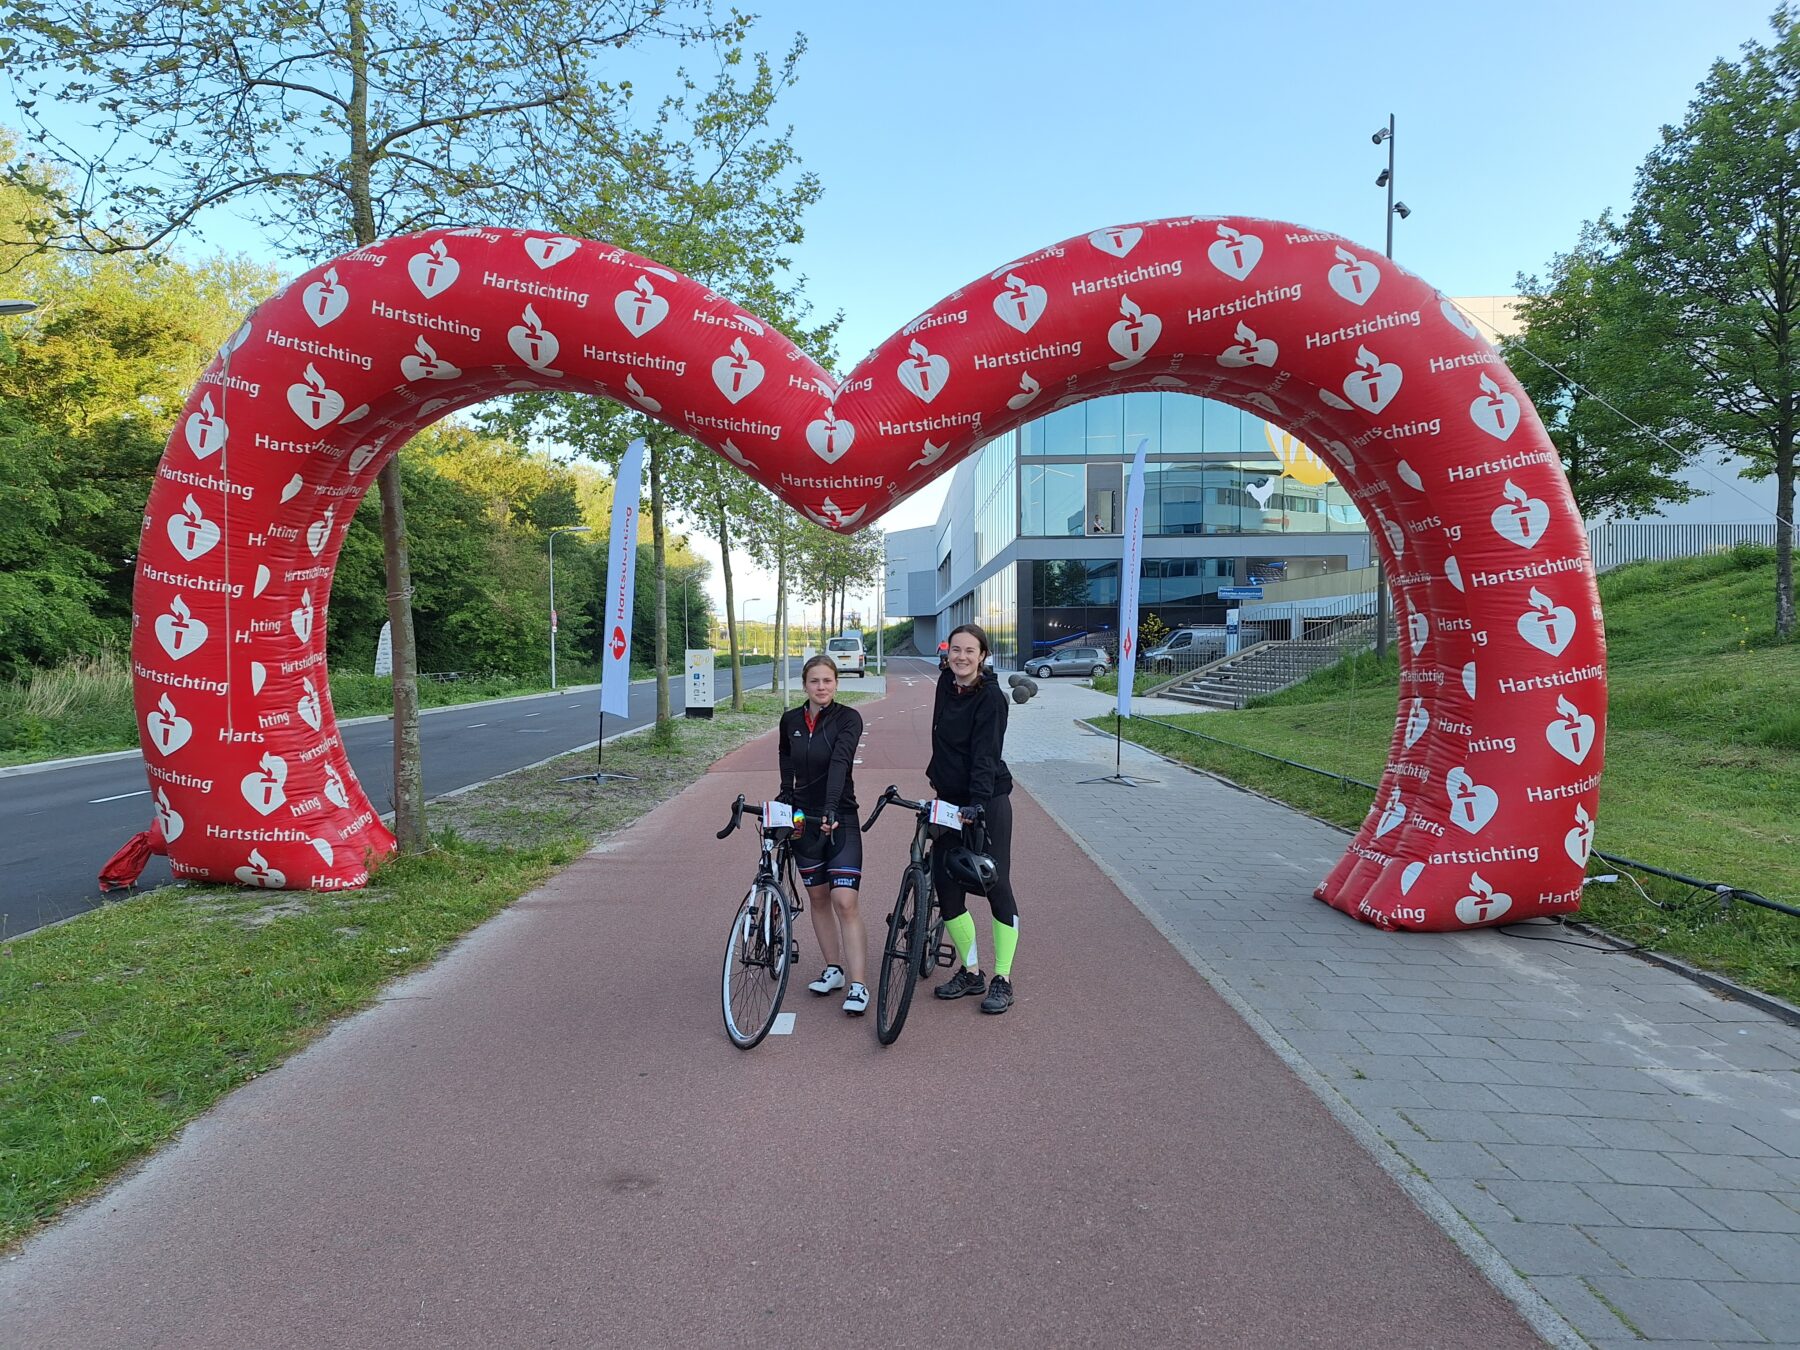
(915,943)
(763,949)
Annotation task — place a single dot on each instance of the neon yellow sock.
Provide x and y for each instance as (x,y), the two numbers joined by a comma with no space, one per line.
(1006,942)
(962,932)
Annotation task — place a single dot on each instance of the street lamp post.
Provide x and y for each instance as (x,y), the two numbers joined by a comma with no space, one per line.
(556,530)
(17,306)
(1385,179)
(744,617)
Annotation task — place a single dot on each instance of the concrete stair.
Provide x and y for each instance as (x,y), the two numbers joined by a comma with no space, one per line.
(1267,668)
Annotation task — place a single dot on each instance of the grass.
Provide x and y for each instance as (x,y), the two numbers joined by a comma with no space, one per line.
(1702,758)
(84,707)
(1141,683)
(123,1024)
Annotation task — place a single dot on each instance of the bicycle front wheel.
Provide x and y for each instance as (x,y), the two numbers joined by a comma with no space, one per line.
(756,966)
(899,958)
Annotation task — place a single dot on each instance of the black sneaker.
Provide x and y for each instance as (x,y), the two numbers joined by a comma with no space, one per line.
(965,981)
(999,997)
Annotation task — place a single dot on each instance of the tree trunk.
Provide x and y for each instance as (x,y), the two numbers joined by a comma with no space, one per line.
(659,566)
(1784,540)
(781,621)
(737,667)
(409,776)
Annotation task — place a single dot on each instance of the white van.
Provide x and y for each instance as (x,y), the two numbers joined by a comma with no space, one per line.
(1186,648)
(847,652)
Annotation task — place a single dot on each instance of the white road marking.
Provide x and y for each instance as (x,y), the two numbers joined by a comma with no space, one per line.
(141,792)
(784,1025)
(535,714)
(473,725)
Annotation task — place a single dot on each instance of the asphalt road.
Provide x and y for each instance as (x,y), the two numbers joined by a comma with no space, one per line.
(59,826)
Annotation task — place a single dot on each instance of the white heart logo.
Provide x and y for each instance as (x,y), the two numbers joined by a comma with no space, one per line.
(179,632)
(1249,350)
(1418,631)
(1483,904)
(206,432)
(425,364)
(639,397)
(258,673)
(308,706)
(1522,519)
(546,253)
(325,299)
(1354,278)
(1453,572)
(1495,411)
(433,271)
(165,728)
(257,872)
(323,847)
(1028,390)
(1374,382)
(318,534)
(641,308)
(1396,536)
(1410,476)
(1571,735)
(736,375)
(929,455)
(1472,805)
(1468,679)
(1548,626)
(1409,876)
(292,488)
(1021,304)
(830,439)
(360,457)
(1462,322)
(313,401)
(301,619)
(1133,335)
(1578,843)
(534,344)
(191,532)
(361,411)
(265,790)
(168,818)
(1331,400)
(737,456)
(1117,242)
(1392,814)
(923,374)
(1418,722)
(334,790)
(1234,254)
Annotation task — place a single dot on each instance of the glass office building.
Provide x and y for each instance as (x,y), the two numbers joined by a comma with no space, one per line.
(1028,541)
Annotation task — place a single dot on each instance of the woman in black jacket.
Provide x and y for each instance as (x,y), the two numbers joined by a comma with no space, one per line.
(968,728)
(818,747)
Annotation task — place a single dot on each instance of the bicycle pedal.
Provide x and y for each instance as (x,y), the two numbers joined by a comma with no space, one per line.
(946,954)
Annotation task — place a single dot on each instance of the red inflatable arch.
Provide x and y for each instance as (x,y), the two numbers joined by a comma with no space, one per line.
(1486,811)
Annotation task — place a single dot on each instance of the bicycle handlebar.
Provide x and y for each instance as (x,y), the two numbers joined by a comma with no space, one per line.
(740,809)
(891,793)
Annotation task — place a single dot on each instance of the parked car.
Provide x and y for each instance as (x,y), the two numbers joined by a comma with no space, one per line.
(1187,648)
(848,653)
(1071,661)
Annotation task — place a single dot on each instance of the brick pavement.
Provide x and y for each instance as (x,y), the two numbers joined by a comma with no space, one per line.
(1625,1141)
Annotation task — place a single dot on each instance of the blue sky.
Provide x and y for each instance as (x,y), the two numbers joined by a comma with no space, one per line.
(954,135)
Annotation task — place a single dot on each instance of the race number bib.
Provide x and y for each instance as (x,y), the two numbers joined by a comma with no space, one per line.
(946,814)
(777,815)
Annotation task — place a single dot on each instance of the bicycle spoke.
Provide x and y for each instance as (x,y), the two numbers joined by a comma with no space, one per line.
(756,967)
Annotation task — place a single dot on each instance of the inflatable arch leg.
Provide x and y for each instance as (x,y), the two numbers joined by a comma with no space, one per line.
(1487,807)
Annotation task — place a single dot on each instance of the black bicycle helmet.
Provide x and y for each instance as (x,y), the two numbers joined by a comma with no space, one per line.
(971,870)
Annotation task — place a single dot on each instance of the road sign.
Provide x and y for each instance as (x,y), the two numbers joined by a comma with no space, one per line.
(1240,592)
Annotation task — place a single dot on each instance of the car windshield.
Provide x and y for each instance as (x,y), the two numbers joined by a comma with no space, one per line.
(843,644)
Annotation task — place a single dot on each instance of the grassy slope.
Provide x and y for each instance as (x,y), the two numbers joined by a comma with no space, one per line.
(1702,769)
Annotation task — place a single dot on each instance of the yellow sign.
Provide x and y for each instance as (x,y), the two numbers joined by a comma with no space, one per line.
(1297,461)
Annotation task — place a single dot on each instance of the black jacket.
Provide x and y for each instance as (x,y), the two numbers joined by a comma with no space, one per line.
(968,727)
(815,765)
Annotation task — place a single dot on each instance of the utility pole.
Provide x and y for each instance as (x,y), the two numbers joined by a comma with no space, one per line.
(1385,179)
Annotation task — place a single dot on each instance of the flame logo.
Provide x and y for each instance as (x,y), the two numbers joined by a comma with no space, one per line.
(643,287)
(1298,462)
(1489,388)
(316,381)
(918,352)
(168,708)
(1367,359)
(1568,709)
(533,325)
(437,250)
(426,350)
(739,352)
(178,607)
(206,412)
(1479,888)
(1230,235)
(1246,336)
(1129,309)
(1540,601)
(1516,494)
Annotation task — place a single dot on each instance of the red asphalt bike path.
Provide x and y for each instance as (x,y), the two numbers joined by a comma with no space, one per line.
(547,1140)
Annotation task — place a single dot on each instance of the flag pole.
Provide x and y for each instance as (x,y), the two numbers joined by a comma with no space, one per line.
(1131,567)
(621,578)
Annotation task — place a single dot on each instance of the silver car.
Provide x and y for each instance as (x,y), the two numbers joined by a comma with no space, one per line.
(1071,661)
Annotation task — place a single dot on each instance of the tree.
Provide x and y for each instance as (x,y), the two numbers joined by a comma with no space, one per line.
(1712,250)
(333,125)
(1583,356)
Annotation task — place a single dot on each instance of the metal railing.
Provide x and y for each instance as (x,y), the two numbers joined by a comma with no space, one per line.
(1619,542)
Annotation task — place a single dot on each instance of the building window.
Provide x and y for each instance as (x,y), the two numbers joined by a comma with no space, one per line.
(1055,499)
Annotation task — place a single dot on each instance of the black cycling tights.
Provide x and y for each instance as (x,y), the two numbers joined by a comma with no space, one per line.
(952,899)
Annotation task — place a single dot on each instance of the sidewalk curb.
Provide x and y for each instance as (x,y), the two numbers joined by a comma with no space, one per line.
(1538,1314)
(105,756)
